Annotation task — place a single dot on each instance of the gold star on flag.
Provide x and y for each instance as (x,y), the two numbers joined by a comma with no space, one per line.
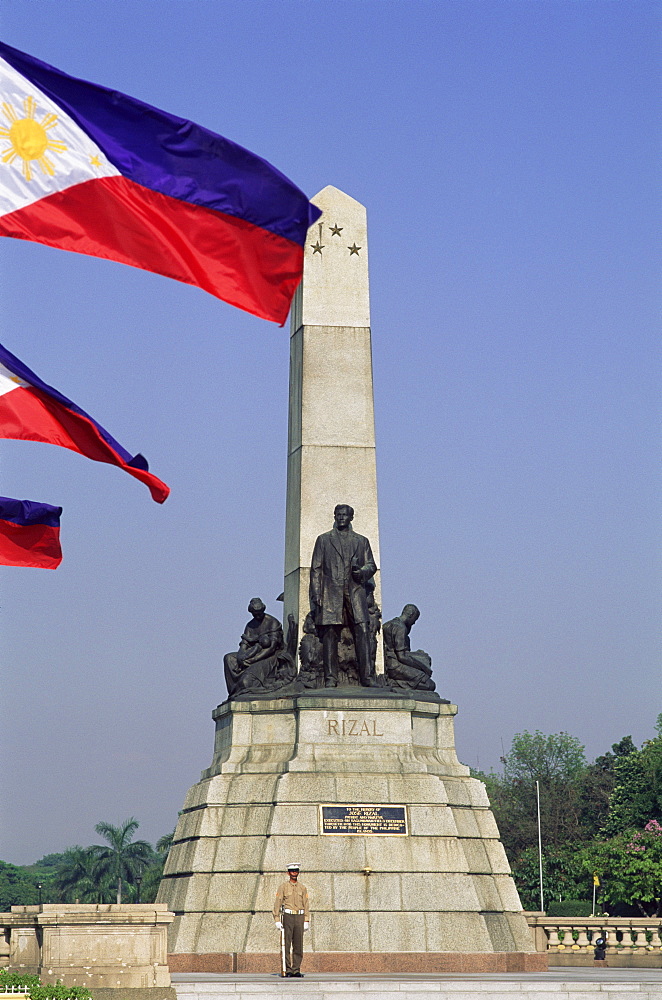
(95,161)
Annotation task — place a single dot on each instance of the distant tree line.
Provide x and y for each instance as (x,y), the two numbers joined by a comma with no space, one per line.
(119,870)
(601,820)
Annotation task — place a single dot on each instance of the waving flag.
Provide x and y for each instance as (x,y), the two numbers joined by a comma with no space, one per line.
(29,534)
(30,410)
(88,169)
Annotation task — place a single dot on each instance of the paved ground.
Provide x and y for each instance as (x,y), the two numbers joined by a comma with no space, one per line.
(558,974)
(559,983)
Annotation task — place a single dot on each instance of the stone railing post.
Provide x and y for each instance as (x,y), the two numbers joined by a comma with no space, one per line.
(627,941)
(553,941)
(582,938)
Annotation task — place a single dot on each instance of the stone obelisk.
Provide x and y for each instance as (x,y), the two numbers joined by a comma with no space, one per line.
(331,439)
(361,786)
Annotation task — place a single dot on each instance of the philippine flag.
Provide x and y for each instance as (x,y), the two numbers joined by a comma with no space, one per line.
(88,169)
(30,410)
(29,534)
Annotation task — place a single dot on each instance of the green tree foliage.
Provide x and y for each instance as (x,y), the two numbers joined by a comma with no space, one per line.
(629,866)
(594,818)
(637,794)
(18,887)
(78,878)
(558,763)
(564,876)
(123,858)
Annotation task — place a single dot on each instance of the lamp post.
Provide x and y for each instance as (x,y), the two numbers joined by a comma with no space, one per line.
(542,900)
(139,880)
(39,888)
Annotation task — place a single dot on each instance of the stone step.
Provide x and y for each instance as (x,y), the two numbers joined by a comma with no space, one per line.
(561,984)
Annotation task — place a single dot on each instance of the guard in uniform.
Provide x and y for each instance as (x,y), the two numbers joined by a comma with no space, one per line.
(291,906)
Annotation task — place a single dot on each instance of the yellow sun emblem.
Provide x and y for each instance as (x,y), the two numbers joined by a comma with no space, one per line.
(28,138)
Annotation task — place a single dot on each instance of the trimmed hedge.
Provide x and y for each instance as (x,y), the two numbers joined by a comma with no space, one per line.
(570,908)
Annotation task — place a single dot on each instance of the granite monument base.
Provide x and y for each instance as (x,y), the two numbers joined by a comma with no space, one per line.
(396,842)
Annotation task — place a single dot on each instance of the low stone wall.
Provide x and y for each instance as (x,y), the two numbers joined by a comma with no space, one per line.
(105,946)
(632,942)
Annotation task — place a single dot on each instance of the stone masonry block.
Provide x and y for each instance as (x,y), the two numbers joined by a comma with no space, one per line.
(350,892)
(183,933)
(230,893)
(508,894)
(487,826)
(289,820)
(497,857)
(246,821)
(195,897)
(306,787)
(463,932)
(247,789)
(520,931)
(421,789)
(500,932)
(415,854)
(239,854)
(366,788)
(438,892)
(487,892)
(432,821)
(397,932)
(476,855)
(319,854)
(466,823)
(223,932)
(340,931)
(189,824)
(197,855)
(172,892)
(262,935)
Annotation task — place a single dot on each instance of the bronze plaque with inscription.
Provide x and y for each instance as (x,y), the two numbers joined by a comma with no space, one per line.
(364,820)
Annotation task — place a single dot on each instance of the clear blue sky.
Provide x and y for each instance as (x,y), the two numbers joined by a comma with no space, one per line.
(507,155)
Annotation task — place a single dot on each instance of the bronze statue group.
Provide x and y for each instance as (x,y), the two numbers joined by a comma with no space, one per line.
(340,634)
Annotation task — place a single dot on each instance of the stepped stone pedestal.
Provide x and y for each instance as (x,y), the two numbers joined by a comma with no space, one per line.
(428,890)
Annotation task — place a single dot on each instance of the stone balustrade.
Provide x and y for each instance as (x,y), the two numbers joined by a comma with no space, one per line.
(634,940)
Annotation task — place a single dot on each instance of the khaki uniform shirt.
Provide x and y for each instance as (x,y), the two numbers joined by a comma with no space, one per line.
(293,896)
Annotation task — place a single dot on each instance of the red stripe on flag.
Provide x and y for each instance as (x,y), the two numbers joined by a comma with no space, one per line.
(35,545)
(32,415)
(115,218)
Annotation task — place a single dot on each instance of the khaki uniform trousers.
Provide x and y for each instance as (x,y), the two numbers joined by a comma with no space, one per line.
(293,927)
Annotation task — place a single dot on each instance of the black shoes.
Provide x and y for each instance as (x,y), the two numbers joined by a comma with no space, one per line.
(294,975)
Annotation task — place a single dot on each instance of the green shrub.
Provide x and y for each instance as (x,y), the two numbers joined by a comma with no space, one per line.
(58,991)
(570,908)
(43,991)
(11,979)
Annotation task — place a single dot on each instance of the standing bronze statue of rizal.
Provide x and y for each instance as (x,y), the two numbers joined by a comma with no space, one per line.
(341,568)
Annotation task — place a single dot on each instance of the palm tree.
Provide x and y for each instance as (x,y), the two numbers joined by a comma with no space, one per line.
(164,843)
(124,856)
(77,877)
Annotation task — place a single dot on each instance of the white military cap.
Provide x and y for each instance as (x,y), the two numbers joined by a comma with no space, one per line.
(292,868)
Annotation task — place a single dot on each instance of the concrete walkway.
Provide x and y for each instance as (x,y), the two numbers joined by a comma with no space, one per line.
(558,983)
